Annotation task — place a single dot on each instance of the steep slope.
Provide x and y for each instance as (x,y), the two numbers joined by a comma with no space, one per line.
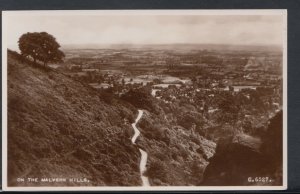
(177,154)
(242,157)
(60,128)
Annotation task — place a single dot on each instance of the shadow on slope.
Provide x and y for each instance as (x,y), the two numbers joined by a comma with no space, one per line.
(60,128)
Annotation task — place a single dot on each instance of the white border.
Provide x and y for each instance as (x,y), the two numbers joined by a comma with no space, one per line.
(282,12)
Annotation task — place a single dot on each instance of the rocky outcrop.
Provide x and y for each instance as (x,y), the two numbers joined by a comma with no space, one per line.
(239,158)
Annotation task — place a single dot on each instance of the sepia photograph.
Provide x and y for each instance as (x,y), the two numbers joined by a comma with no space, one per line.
(144,100)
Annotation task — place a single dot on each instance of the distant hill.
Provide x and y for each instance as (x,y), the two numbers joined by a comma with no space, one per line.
(60,128)
(218,47)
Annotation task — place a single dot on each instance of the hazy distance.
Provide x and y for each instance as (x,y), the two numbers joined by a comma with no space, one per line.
(89,29)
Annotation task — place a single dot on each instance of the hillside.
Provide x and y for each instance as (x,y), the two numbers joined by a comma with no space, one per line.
(242,157)
(177,152)
(186,147)
(60,128)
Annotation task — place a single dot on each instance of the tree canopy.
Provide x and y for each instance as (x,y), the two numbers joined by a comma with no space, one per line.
(40,46)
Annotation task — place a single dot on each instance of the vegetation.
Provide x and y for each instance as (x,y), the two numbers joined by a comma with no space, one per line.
(181,128)
(58,126)
(230,167)
(40,46)
(141,98)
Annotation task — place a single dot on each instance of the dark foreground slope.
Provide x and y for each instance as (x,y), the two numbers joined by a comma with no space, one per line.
(59,128)
(244,160)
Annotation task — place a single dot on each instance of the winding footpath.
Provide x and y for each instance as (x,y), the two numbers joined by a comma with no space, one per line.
(144,154)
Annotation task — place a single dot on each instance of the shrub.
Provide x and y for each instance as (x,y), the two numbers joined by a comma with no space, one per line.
(157,169)
(107,97)
(187,120)
(82,153)
(195,139)
(140,98)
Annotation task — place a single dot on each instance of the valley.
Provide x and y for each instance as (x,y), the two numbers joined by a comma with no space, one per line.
(147,116)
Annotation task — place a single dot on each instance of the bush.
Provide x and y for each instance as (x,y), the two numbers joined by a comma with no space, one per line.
(187,120)
(82,153)
(197,171)
(107,97)
(50,76)
(161,156)
(140,98)
(157,169)
(195,139)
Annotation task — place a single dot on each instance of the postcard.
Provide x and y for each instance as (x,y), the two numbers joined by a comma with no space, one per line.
(126,100)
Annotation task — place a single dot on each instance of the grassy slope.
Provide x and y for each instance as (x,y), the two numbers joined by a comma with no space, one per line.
(58,127)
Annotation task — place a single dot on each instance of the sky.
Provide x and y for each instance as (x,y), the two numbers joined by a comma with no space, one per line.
(104,29)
